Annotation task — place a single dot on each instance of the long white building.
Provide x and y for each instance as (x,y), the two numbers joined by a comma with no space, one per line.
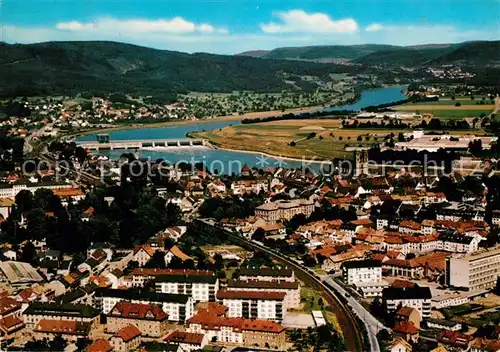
(254,304)
(201,288)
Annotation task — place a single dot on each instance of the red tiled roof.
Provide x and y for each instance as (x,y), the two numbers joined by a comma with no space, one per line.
(406,328)
(10,324)
(100,345)
(8,304)
(185,337)
(128,333)
(138,311)
(455,338)
(258,295)
(146,247)
(405,311)
(238,324)
(161,272)
(403,283)
(71,327)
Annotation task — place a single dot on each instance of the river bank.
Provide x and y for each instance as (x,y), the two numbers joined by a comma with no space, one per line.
(248,115)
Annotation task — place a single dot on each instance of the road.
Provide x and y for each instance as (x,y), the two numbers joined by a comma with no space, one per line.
(347,321)
(372,324)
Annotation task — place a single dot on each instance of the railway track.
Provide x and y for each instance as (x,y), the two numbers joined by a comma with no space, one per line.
(351,330)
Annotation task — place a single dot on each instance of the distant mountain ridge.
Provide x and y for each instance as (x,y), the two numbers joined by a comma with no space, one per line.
(467,53)
(104,67)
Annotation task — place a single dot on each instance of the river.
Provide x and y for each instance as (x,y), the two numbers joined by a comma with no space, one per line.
(224,161)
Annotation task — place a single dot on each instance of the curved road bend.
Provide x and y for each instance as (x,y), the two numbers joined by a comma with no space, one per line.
(346,319)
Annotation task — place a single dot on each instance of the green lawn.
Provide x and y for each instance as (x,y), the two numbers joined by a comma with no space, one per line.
(310,298)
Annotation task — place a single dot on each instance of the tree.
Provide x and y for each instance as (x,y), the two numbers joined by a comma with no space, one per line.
(28,254)
(458,105)
(259,234)
(24,201)
(309,260)
(57,344)
(383,335)
(157,261)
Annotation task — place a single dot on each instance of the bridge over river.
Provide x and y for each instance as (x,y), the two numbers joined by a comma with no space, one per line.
(144,143)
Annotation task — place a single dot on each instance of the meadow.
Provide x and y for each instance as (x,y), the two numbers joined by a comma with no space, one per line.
(275,138)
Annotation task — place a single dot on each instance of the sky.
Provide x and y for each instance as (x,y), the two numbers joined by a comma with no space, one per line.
(234,26)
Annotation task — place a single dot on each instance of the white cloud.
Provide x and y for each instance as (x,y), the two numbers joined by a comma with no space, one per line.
(374,27)
(176,25)
(298,21)
(424,34)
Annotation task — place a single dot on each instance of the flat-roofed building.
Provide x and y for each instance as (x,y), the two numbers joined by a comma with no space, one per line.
(254,304)
(291,289)
(415,297)
(267,274)
(361,271)
(202,288)
(141,275)
(474,271)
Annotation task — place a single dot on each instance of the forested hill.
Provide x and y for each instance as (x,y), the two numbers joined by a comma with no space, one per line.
(320,52)
(72,67)
(478,53)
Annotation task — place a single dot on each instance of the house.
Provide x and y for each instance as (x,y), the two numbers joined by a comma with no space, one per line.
(484,345)
(9,306)
(149,318)
(177,253)
(455,339)
(100,246)
(409,315)
(9,253)
(10,324)
(99,345)
(415,297)
(399,345)
(407,331)
(188,341)
(70,330)
(126,339)
(142,254)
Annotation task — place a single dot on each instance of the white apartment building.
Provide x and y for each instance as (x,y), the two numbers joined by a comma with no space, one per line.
(201,288)
(291,289)
(249,186)
(365,275)
(474,271)
(178,307)
(267,274)
(361,271)
(416,297)
(264,305)
(458,243)
(16,188)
